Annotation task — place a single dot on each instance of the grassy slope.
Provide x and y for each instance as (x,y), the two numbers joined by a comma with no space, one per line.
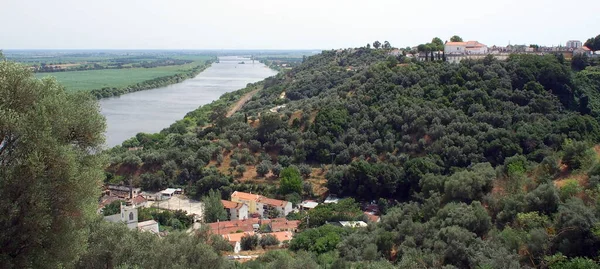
(97,79)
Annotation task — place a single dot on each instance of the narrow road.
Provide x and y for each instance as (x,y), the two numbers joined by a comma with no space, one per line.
(241,103)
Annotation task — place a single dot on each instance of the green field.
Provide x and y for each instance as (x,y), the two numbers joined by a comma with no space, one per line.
(118,78)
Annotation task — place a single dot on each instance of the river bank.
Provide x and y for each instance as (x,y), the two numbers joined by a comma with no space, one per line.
(152,83)
(150,111)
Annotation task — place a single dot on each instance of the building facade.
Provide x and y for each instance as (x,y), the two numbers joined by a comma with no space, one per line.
(574,44)
(235,211)
(469,47)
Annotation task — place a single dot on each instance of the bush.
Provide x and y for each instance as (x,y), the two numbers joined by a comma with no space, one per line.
(263,168)
(268,240)
(249,242)
(305,170)
(276,169)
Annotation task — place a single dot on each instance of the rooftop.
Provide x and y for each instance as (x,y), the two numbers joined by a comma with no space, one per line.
(245,196)
(309,204)
(170,191)
(354,224)
(236,237)
(285,225)
(138,200)
(273,202)
(282,236)
(231,205)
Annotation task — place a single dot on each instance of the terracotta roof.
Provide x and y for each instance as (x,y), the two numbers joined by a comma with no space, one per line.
(245,196)
(456,43)
(231,205)
(467,44)
(236,237)
(372,217)
(585,48)
(282,236)
(273,202)
(227,227)
(285,225)
(138,200)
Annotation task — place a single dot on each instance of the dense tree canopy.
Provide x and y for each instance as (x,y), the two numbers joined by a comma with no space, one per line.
(480,164)
(49,176)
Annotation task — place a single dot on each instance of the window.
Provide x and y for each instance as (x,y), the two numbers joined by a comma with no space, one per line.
(130,215)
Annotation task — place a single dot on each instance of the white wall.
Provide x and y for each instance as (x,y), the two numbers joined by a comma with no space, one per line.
(449,49)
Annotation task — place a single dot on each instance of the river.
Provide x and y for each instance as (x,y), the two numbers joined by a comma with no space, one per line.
(152,110)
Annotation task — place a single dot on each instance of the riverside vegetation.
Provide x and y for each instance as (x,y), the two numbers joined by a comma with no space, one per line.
(482,164)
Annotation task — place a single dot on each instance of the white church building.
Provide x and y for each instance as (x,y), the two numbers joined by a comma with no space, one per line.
(129,216)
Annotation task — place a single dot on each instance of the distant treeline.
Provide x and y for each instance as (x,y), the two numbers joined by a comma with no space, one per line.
(151,84)
(118,64)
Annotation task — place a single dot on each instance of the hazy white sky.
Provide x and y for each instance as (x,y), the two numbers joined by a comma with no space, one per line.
(281,24)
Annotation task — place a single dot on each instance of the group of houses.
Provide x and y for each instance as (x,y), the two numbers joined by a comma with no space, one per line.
(244,205)
(457,51)
(250,214)
(131,199)
(234,230)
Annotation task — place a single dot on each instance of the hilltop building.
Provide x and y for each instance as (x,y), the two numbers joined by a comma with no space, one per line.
(469,47)
(574,44)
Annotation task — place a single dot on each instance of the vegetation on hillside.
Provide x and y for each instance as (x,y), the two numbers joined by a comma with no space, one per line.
(469,152)
(482,164)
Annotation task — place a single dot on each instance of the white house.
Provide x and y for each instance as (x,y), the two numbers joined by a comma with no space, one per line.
(469,47)
(129,216)
(264,203)
(235,211)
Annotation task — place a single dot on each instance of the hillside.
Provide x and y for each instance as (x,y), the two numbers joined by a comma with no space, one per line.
(468,160)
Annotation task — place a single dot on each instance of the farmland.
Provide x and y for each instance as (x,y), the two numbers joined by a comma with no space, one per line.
(120,71)
(115,78)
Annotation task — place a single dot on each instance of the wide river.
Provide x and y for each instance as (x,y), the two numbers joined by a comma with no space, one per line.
(152,110)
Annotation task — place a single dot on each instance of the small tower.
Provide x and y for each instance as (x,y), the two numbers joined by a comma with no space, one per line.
(129,215)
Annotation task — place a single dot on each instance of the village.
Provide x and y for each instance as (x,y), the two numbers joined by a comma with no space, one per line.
(456,51)
(248,214)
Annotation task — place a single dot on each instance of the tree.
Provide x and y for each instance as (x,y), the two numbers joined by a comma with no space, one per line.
(376,44)
(386,45)
(268,240)
(213,208)
(49,169)
(456,38)
(580,61)
(291,181)
(113,208)
(593,43)
(249,242)
(263,168)
(368,46)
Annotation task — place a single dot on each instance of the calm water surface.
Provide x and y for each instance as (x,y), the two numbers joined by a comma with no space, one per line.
(152,110)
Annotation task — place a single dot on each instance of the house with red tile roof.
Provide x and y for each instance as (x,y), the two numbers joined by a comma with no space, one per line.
(234,226)
(261,204)
(235,211)
(264,204)
(235,240)
(282,237)
(279,225)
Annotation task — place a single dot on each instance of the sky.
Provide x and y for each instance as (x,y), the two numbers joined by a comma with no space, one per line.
(281,24)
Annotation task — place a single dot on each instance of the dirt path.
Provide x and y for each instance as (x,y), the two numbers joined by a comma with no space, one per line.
(241,103)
